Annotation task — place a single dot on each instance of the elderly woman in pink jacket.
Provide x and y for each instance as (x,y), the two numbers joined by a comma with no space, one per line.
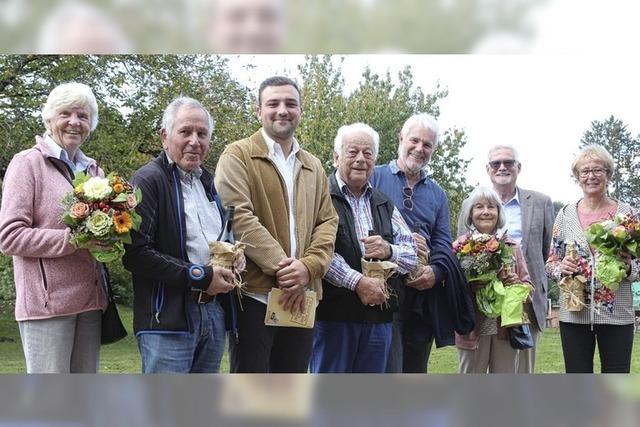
(487,349)
(59,289)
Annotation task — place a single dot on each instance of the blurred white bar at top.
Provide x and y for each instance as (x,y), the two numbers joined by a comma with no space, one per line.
(318,26)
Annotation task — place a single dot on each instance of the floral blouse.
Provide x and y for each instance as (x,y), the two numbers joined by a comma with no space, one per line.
(603,306)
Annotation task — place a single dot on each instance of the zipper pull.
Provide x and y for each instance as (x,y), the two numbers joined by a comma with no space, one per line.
(157,316)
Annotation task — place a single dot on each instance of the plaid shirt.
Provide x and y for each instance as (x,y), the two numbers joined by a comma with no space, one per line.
(403,251)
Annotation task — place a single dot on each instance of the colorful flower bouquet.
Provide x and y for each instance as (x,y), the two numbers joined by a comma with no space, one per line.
(481,257)
(100,213)
(611,238)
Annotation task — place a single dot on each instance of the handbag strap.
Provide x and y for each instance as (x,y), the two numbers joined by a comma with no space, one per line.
(107,281)
(59,169)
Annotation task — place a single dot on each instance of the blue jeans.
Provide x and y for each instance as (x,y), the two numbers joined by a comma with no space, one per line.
(346,347)
(182,352)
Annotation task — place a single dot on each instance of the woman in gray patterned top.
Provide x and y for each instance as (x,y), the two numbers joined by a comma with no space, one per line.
(606,316)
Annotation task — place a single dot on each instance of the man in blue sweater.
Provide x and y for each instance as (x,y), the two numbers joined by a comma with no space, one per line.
(435,303)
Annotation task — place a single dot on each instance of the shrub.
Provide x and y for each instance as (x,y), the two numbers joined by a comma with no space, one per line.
(553,292)
(121,283)
(7,288)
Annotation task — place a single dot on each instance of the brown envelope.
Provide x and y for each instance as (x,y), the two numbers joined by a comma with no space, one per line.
(277,316)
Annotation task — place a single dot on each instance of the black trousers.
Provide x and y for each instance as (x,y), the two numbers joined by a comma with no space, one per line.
(267,349)
(415,355)
(615,343)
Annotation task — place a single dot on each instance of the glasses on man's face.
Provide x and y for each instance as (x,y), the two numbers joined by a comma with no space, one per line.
(597,172)
(495,164)
(407,201)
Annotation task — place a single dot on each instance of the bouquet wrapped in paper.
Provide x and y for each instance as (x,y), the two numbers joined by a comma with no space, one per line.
(572,287)
(611,238)
(379,270)
(512,311)
(223,254)
(423,259)
(101,213)
(482,256)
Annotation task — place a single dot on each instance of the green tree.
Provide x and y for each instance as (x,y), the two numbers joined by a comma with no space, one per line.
(132,91)
(613,135)
(556,207)
(384,104)
(373,102)
(25,82)
(323,104)
(153,81)
(448,169)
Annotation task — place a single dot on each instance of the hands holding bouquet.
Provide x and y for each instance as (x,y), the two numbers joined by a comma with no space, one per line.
(100,213)
(481,256)
(618,243)
(488,265)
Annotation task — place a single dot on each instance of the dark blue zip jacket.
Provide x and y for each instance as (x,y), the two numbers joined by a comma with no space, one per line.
(157,257)
(445,308)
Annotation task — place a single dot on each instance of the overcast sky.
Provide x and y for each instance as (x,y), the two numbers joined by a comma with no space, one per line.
(541,104)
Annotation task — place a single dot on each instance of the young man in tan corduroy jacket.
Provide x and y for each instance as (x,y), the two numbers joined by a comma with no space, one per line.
(285,215)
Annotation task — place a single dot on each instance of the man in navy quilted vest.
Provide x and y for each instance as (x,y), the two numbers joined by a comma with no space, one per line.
(354,319)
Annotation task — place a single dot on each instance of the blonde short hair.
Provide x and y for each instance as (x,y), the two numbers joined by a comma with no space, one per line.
(597,153)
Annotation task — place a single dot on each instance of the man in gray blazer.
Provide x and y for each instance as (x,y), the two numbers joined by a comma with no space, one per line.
(530,218)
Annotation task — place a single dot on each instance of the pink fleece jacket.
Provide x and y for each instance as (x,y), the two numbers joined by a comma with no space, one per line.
(470,341)
(52,277)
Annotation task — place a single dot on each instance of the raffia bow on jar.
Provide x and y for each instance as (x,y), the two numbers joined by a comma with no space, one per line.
(223,254)
(380,270)
(423,261)
(572,287)
(423,256)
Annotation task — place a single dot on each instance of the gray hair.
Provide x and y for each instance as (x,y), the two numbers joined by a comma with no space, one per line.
(67,95)
(170,112)
(355,128)
(594,152)
(480,193)
(516,157)
(425,120)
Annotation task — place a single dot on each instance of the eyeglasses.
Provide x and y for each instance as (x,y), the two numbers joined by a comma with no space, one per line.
(597,172)
(407,202)
(495,164)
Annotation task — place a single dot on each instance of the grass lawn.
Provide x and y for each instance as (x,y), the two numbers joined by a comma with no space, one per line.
(123,357)
(548,359)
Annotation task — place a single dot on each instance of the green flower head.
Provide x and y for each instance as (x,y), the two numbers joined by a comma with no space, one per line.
(610,271)
(99,223)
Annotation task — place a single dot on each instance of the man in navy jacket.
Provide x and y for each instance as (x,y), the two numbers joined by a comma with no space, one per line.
(180,302)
